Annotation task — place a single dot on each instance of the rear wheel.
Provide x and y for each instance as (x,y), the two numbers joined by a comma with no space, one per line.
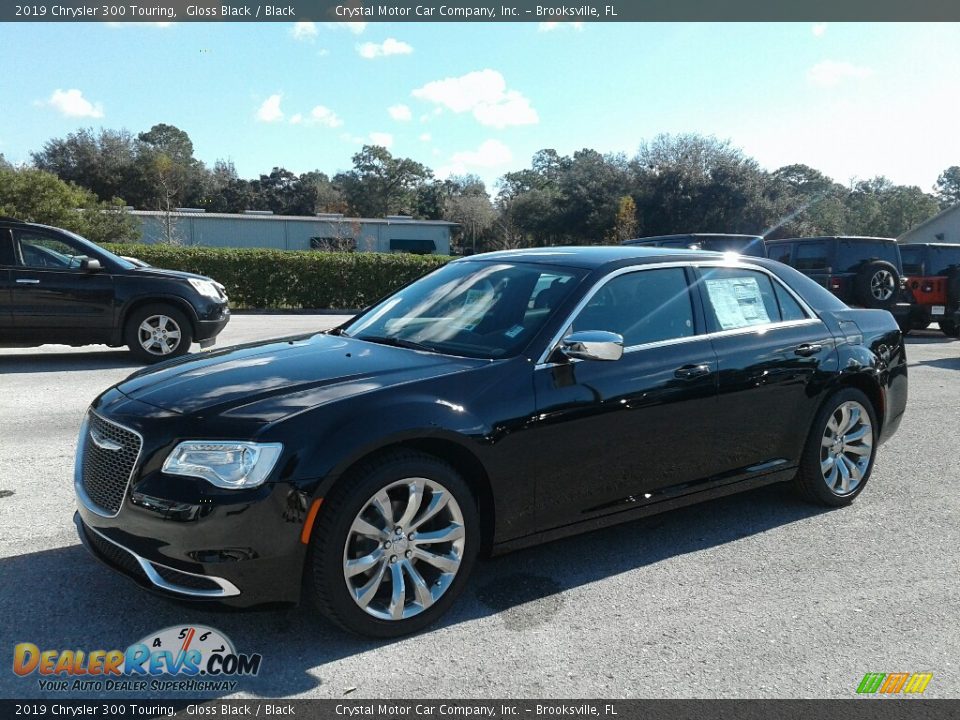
(394,545)
(949,328)
(158,332)
(838,458)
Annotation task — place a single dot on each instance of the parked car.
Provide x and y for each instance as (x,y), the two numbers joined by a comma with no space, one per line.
(716,242)
(861,271)
(932,286)
(502,400)
(57,287)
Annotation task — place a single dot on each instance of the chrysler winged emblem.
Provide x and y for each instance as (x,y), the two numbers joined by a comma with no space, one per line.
(104,443)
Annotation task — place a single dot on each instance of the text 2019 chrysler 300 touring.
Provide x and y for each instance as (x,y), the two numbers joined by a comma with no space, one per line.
(500,401)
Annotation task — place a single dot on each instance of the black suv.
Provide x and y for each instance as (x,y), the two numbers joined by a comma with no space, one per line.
(57,287)
(715,242)
(932,272)
(861,271)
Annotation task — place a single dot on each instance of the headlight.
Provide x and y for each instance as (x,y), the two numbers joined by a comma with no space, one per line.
(230,465)
(207,288)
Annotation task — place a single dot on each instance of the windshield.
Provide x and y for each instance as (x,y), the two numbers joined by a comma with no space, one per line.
(469,308)
(99,251)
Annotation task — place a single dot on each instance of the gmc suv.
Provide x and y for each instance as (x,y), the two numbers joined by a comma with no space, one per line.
(57,287)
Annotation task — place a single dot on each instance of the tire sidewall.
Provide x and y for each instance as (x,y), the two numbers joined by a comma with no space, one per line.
(810,474)
(326,553)
(131,334)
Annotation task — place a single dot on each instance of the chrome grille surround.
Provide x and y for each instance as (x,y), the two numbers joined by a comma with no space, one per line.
(107,457)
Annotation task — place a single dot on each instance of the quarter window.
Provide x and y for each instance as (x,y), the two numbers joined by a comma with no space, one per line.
(644,307)
(810,256)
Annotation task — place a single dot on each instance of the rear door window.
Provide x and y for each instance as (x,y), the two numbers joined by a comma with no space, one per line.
(739,298)
(811,256)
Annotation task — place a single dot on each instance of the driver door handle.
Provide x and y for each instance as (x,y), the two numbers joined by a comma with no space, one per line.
(807,349)
(688,372)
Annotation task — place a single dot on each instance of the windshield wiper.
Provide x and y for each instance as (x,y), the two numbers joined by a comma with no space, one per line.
(396,342)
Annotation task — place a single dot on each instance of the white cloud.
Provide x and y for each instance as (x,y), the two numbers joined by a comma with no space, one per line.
(818,29)
(321,115)
(381,138)
(304,30)
(400,112)
(356,27)
(425,137)
(72,103)
(550,26)
(390,46)
(296,119)
(490,154)
(485,94)
(831,73)
(269,110)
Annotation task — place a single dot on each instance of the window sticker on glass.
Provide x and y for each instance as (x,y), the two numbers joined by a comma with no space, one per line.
(514,331)
(737,302)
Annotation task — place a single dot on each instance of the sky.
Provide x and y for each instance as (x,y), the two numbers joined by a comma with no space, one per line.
(853,100)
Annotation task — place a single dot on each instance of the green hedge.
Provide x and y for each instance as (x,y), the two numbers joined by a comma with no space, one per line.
(275,279)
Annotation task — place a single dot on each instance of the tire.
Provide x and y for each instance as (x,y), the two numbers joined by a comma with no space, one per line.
(159,317)
(949,328)
(877,285)
(953,289)
(350,527)
(826,486)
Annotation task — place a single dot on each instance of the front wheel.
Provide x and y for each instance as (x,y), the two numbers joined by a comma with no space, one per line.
(394,545)
(840,450)
(158,332)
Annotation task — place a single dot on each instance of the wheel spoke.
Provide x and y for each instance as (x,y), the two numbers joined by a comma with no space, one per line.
(853,420)
(420,589)
(365,594)
(381,502)
(827,465)
(855,435)
(173,335)
(162,322)
(862,450)
(844,419)
(438,501)
(146,327)
(398,593)
(852,468)
(445,563)
(844,475)
(415,489)
(362,564)
(362,527)
(444,535)
(832,477)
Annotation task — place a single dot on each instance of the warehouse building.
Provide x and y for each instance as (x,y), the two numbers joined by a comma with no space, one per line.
(263,229)
(941,228)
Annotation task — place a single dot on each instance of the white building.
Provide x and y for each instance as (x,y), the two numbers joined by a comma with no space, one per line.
(941,228)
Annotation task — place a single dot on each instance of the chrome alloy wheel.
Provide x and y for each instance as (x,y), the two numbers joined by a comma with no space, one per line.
(882,285)
(404,549)
(846,448)
(159,335)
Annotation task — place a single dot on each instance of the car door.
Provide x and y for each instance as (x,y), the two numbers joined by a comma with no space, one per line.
(52,297)
(610,435)
(6,263)
(774,356)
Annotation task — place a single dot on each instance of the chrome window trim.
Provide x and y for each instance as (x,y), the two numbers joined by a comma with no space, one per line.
(726,263)
(81,492)
(227,588)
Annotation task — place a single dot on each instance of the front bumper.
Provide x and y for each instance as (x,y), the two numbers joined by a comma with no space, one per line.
(207,330)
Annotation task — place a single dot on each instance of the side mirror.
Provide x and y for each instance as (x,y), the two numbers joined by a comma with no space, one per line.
(593,345)
(90,265)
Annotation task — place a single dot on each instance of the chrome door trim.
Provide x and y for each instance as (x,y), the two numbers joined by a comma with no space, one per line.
(811,318)
(27,281)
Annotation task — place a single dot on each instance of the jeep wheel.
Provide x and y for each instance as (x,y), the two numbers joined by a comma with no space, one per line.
(158,332)
(876,285)
(949,328)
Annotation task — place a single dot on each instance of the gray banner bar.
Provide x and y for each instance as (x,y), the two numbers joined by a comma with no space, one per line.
(854,709)
(477,11)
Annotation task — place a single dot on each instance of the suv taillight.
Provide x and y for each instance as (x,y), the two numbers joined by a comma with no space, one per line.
(836,283)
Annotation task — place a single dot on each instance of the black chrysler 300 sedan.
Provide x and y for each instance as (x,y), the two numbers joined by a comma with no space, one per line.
(500,401)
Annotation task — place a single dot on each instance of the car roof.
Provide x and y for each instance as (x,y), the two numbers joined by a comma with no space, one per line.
(945,246)
(858,238)
(597,256)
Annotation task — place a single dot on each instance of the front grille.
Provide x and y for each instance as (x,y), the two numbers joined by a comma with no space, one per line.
(185,580)
(107,467)
(115,556)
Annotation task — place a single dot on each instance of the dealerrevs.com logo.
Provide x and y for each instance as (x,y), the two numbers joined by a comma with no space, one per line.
(894,683)
(189,659)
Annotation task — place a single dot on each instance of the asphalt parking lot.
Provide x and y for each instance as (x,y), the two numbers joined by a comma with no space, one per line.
(757,595)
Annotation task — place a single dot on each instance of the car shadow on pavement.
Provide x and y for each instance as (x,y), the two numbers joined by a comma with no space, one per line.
(928,337)
(63,598)
(66,361)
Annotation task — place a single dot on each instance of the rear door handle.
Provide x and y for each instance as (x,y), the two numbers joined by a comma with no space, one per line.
(807,349)
(688,372)
(27,281)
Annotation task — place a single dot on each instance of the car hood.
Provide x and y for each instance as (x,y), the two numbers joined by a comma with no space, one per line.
(269,380)
(164,273)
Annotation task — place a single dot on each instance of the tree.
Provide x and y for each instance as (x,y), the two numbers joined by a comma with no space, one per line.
(948,187)
(39,196)
(625,223)
(380,184)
